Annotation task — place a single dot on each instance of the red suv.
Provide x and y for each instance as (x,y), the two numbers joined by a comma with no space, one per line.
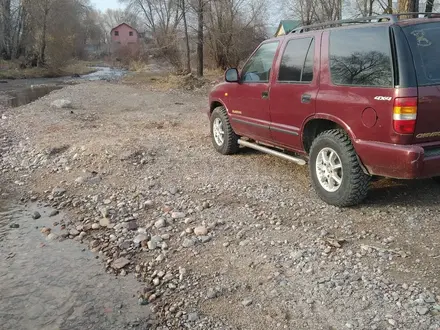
(353,98)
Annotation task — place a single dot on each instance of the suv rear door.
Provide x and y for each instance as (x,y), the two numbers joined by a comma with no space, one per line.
(424,42)
(356,81)
(294,88)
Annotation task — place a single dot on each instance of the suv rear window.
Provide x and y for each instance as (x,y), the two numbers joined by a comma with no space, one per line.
(361,57)
(424,41)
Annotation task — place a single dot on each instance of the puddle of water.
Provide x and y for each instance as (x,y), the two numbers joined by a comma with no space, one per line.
(58,285)
(29,94)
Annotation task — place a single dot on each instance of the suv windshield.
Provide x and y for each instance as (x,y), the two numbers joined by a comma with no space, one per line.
(424,40)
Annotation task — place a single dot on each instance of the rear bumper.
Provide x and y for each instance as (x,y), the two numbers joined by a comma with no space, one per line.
(399,161)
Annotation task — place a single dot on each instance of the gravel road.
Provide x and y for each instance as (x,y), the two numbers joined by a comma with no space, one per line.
(220,242)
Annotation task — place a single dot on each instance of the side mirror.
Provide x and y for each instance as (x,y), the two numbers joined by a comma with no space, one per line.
(232,75)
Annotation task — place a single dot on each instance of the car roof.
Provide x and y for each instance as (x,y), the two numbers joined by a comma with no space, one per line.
(400,22)
(413,21)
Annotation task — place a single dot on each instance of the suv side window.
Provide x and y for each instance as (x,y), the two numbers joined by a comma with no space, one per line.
(297,62)
(257,69)
(361,57)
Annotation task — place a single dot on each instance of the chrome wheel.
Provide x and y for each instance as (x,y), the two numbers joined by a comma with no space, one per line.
(329,169)
(218,131)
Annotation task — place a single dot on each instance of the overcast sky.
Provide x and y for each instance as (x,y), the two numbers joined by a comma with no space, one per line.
(105,4)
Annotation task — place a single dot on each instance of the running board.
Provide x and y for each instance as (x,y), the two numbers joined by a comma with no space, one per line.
(269,151)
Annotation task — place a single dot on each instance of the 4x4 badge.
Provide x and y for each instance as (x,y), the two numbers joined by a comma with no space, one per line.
(383,98)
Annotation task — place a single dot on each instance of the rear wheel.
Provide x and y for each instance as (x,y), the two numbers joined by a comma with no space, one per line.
(335,170)
(436,179)
(224,139)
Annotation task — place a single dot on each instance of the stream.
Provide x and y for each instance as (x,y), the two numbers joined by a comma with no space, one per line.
(53,285)
(15,93)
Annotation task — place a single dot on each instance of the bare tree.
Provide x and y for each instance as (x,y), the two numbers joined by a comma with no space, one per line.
(40,31)
(6,28)
(12,18)
(306,10)
(200,37)
(184,8)
(328,10)
(234,28)
(161,18)
(408,6)
(429,6)
(315,11)
(39,11)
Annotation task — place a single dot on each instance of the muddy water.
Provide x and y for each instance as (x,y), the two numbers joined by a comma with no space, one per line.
(15,93)
(27,95)
(58,285)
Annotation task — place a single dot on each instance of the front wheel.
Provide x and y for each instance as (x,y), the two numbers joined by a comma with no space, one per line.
(335,170)
(224,139)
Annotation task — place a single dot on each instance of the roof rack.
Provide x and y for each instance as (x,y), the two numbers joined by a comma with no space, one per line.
(392,18)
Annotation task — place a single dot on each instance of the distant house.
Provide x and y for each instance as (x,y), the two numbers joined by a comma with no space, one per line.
(287,26)
(124,36)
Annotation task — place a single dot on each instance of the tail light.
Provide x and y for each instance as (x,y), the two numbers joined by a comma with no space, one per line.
(405,115)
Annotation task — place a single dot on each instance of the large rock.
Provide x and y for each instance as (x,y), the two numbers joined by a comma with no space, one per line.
(61,104)
(57,192)
(178,215)
(120,263)
(104,222)
(139,239)
(52,237)
(104,212)
(201,231)
(160,223)
(132,225)
(74,232)
(187,242)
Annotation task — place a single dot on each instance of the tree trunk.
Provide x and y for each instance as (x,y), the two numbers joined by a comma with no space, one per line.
(7,34)
(23,32)
(340,2)
(42,55)
(200,40)
(18,33)
(370,11)
(429,6)
(389,9)
(408,6)
(416,7)
(188,49)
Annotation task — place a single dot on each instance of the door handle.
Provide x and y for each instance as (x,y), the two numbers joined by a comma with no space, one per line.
(265,95)
(306,98)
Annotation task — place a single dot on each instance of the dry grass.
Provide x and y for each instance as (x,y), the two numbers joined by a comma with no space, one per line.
(214,74)
(11,70)
(138,66)
(164,80)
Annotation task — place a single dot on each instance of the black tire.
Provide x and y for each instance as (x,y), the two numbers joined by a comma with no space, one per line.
(436,179)
(354,185)
(230,139)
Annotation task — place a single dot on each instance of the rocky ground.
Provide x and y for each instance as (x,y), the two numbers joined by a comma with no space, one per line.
(219,242)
